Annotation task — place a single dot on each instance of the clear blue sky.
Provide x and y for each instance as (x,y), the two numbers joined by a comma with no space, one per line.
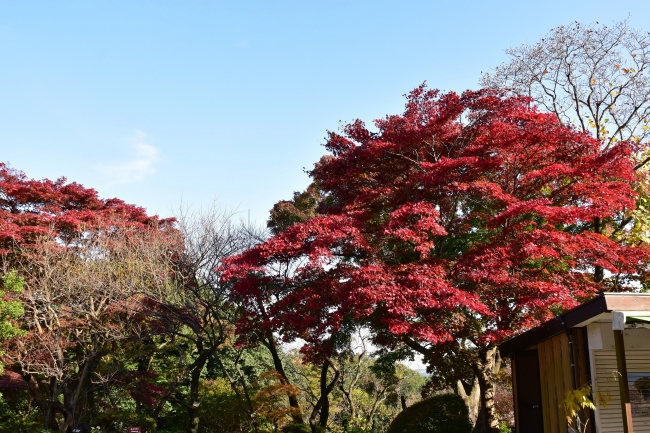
(158,101)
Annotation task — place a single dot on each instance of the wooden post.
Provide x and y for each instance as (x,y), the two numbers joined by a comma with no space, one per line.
(623,385)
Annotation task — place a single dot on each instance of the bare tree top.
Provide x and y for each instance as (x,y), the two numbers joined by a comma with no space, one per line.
(593,75)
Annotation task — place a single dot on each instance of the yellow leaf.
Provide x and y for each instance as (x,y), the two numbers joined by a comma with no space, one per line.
(617,66)
(594,81)
(603,398)
(614,92)
(645,127)
(633,55)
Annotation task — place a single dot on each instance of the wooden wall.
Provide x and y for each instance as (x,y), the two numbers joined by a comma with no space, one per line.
(556,377)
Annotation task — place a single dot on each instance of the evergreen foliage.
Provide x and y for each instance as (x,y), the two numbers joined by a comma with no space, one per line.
(443,413)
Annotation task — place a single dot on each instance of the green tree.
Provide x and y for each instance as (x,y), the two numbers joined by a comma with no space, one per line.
(10,309)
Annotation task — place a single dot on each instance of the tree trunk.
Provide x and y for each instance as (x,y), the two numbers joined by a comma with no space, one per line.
(75,392)
(479,427)
(325,409)
(599,273)
(487,367)
(322,405)
(67,423)
(195,382)
(41,393)
(472,400)
(296,412)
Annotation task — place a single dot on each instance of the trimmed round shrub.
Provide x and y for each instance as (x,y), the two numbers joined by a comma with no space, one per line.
(444,413)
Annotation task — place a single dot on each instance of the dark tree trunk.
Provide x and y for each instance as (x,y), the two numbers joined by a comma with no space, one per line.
(325,410)
(195,382)
(92,408)
(41,394)
(75,391)
(322,405)
(296,412)
(599,273)
(479,427)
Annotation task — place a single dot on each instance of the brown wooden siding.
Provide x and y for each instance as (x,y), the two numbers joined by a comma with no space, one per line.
(556,376)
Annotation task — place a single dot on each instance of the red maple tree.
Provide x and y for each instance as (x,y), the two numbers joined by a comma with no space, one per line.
(464,220)
(30,208)
(84,264)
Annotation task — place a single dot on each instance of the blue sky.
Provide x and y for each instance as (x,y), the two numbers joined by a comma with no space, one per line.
(156,102)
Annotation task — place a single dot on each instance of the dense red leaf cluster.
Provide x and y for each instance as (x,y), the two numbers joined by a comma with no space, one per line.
(11,382)
(30,208)
(468,214)
(139,386)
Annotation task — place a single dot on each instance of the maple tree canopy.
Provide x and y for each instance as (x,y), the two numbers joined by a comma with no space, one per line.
(467,215)
(79,268)
(30,208)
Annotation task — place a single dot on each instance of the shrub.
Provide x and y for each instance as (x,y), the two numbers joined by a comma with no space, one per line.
(221,409)
(18,412)
(296,428)
(117,421)
(444,413)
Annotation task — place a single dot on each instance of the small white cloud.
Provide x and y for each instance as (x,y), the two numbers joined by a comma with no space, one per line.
(137,168)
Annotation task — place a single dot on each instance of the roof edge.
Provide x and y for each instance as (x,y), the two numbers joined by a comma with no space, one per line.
(558,325)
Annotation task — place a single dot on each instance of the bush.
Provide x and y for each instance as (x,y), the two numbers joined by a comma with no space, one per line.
(504,428)
(18,413)
(445,413)
(296,428)
(117,421)
(221,409)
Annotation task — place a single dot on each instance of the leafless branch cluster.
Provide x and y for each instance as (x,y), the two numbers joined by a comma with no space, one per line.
(196,306)
(82,294)
(594,76)
(80,298)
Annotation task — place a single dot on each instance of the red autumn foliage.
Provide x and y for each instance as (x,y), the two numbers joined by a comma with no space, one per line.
(11,382)
(466,215)
(30,208)
(85,262)
(138,385)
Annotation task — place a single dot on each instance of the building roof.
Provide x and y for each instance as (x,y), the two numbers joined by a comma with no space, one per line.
(598,308)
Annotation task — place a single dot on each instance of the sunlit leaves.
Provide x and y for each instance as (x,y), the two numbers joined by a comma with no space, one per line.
(10,309)
(465,215)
